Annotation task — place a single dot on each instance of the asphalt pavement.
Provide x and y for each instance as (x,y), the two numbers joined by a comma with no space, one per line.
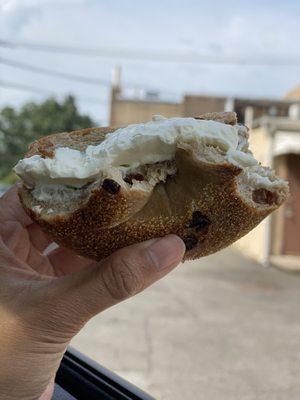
(222,327)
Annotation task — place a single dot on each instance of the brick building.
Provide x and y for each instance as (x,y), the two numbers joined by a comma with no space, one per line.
(140,107)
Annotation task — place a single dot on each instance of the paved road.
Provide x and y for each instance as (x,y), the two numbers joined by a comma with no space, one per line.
(222,328)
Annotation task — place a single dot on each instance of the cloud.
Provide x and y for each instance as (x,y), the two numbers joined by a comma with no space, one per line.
(13,5)
(237,28)
(17,14)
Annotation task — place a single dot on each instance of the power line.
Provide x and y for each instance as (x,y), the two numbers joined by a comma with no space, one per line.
(64,75)
(33,89)
(24,88)
(57,74)
(158,55)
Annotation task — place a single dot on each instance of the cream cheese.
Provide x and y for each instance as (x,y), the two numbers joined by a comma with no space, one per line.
(130,147)
(240,158)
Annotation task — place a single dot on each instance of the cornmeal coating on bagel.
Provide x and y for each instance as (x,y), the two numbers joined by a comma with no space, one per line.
(99,189)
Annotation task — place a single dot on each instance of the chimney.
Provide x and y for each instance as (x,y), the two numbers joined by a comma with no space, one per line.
(116,77)
(115,92)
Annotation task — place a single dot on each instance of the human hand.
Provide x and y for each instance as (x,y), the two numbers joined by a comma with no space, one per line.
(45,299)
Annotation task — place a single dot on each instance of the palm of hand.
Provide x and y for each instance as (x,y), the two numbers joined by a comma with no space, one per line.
(26,308)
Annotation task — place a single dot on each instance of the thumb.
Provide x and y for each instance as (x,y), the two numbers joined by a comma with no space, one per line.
(121,275)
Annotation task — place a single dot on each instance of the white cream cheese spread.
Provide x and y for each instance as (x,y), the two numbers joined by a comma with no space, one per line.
(130,147)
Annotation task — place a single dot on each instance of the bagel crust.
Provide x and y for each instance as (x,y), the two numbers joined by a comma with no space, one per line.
(201,203)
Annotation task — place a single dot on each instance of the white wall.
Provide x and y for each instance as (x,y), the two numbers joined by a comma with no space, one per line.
(253,243)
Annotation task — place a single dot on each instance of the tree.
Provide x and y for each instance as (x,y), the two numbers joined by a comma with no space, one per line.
(19,128)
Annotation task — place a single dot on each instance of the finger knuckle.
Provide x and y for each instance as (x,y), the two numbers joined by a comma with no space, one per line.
(122,279)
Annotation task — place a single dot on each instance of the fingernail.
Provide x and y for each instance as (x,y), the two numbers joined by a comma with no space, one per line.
(166,251)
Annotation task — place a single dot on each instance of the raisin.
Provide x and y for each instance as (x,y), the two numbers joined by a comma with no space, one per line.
(190,242)
(264,196)
(111,186)
(199,221)
(138,177)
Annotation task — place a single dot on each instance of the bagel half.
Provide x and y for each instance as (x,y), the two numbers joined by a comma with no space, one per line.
(205,194)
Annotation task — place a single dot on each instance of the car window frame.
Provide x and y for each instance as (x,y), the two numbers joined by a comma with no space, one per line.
(84,378)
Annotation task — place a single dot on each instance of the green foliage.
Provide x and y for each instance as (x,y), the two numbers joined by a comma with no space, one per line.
(19,128)
(10,178)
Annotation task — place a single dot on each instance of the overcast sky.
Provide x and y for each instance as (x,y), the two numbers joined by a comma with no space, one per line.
(257,30)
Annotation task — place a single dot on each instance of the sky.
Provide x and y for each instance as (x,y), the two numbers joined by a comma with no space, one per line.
(262,35)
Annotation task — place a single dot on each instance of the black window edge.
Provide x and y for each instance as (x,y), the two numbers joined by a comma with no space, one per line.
(84,378)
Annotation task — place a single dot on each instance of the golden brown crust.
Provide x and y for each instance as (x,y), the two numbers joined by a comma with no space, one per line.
(229,118)
(200,203)
(75,140)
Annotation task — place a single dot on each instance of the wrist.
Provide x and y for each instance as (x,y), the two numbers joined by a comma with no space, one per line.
(48,393)
(26,369)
